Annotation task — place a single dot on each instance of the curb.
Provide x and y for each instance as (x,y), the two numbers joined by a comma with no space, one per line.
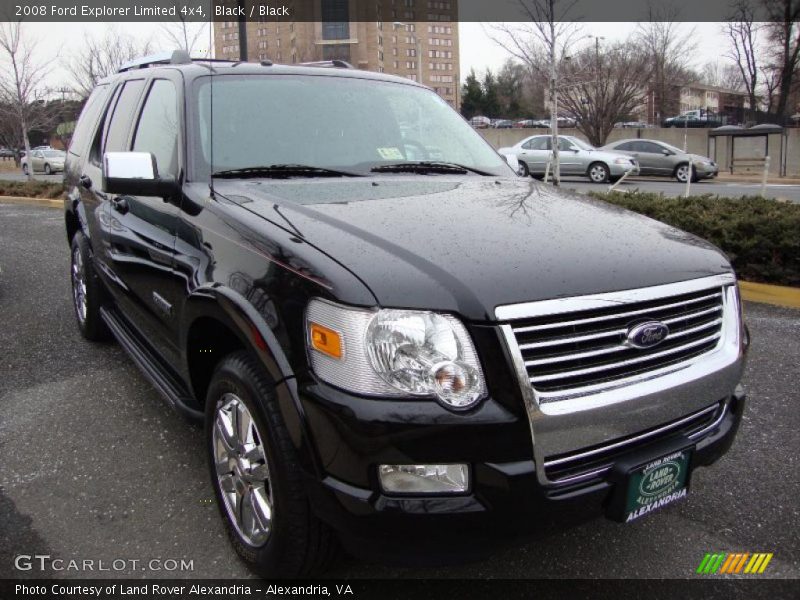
(777,295)
(47,202)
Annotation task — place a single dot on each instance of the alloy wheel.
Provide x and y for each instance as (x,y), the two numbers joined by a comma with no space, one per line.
(682,173)
(79,284)
(598,174)
(242,471)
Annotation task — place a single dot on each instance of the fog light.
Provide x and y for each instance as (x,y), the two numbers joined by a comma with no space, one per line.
(424,479)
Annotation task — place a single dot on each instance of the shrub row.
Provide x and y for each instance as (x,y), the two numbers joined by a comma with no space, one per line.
(31,189)
(760,236)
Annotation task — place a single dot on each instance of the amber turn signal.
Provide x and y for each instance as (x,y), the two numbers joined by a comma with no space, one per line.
(326,340)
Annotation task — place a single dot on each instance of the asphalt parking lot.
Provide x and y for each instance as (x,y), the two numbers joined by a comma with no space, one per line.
(93,465)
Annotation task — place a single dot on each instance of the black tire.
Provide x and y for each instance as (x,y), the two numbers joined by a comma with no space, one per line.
(524,171)
(681,172)
(25,169)
(47,169)
(298,544)
(90,323)
(598,172)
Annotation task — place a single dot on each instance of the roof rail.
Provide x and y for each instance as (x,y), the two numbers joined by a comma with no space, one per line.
(335,63)
(176,57)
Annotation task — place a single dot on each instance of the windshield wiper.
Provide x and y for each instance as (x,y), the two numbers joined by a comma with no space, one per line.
(283,171)
(427,166)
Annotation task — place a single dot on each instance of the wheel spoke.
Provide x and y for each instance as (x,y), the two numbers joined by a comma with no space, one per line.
(226,483)
(259,473)
(224,436)
(262,509)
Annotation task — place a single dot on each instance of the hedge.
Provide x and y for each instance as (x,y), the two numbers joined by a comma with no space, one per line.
(31,189)
(761,237)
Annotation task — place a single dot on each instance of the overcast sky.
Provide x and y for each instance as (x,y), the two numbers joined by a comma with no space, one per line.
(56,40)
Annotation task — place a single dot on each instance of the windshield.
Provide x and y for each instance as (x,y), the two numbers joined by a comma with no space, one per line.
(54,154)
(581,144)
(329,122)
(673,148)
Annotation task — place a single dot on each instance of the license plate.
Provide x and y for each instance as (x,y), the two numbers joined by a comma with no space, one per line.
(656,484)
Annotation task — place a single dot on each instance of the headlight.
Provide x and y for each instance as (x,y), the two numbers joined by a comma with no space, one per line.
(394,353)
(623,161)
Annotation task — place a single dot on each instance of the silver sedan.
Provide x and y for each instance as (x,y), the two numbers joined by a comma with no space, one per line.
(659,158)
(576,157)
(46,161)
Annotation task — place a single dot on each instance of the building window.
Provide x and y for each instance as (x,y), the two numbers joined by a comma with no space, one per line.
(335,19)
(411,51)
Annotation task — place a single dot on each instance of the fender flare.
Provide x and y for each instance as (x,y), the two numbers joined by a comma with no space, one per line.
(237,314)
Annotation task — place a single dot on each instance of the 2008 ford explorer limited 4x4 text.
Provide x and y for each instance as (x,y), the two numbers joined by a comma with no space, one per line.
(390,337)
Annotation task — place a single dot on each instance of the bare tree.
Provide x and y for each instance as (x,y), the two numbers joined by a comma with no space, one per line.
(722,75)
(542,45)
(22,90)
(772,83)
(668,51)
(743,31)
(784,36)
(99,58)
(607,87)
(187,35)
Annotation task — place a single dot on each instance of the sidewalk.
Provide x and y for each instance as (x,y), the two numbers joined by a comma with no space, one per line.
(753,178)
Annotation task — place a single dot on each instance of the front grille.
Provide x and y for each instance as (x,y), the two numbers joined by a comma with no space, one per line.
(590,464)
(586,351)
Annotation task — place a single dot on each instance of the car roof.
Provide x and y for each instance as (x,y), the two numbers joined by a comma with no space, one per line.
(204,68)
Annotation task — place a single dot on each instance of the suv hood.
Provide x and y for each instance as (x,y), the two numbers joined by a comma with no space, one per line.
(469,244)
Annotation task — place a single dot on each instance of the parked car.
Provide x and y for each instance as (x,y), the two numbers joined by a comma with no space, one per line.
(480,122)
(692,121)
(502,124)
(6,153)
(383,350)
(524,123)
(45,161)
(576,157)
(661,159)
(632,125)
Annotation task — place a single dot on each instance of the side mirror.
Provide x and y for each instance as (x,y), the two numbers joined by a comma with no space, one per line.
(136,174)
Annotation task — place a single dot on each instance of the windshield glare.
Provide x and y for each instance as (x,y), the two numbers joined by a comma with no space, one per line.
(331,122)
(581,144)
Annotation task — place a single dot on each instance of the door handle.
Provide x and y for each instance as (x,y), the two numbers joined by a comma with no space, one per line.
(85,181)
(120,205)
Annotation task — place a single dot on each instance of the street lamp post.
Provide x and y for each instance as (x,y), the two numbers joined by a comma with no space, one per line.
(417,49)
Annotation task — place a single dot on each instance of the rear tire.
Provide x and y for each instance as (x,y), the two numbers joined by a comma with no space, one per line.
(259,488)
(524,171)
(47,170)
(25,169)
(87,291)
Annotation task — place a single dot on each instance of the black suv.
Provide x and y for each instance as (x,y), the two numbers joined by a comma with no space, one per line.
(388,335)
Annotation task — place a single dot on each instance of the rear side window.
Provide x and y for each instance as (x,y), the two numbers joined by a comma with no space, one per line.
(539,143)
(88,120)
(118,127)
(627,147)
(157,131)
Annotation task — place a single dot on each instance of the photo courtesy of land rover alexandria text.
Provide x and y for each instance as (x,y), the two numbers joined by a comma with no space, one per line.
(392,340)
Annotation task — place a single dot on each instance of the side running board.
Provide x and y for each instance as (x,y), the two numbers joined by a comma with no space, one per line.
(165,382)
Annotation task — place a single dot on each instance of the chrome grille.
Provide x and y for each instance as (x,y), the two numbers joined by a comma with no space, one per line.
(572,353)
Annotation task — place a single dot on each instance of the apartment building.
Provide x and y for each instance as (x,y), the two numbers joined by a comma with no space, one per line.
(417,39)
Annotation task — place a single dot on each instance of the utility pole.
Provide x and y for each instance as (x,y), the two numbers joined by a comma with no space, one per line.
(417,47)
(242,31)
(554,105)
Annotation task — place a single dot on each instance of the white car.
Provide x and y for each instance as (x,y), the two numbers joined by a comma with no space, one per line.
(576,157)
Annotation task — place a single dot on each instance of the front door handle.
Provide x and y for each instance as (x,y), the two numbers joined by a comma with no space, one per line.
(85,181)
(120,205)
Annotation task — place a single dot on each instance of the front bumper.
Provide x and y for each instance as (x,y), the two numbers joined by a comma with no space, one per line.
(619,170)
(505,497)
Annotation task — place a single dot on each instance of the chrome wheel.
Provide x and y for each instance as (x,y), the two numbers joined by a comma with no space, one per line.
(682,173)
(242,470)
(78,284)
(598,173)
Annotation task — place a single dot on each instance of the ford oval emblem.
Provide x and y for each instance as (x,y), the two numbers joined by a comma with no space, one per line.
(647,335)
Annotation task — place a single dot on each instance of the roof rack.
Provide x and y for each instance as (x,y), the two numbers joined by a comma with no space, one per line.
(335,64)
(176,57)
